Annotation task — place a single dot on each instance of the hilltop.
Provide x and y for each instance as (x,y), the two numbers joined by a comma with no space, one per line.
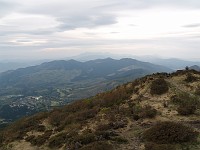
(156,112)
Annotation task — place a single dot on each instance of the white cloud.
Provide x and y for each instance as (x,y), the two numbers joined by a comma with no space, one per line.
(55,28)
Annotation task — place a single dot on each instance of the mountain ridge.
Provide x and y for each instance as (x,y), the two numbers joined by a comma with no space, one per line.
(55,83)
(101,64)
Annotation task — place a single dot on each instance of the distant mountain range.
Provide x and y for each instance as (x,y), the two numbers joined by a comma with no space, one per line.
(172,63)
(195,67)
(13,65)
(56,83)
(59,73)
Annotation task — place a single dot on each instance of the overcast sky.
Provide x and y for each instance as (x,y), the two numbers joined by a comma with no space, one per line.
(53,29)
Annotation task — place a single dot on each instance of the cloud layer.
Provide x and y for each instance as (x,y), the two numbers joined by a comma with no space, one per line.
(36,29)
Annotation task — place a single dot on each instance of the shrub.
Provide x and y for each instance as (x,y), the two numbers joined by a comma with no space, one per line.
(118,124)
(186,110)
(154,146)
(98,146)
(47,134)
(197,91)
(101,135)
(114,97)
(30,138)
(86,114)
(170,132)
(39,140)
(190,78)
(148,112)
(119,140)
(40,128)
(58,140)
(86,138)
(187,104)
(159,86)
(143,112)
(185,99)
(103,127)
(1,138)
(56,117)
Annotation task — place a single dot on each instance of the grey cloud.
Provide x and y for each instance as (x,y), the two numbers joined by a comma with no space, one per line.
(114,32)
(133,25)
(143,4)
(192,25)
(6,32)
(90,14)
(87,21)
(171,3)
(87,14)
(74,14)
(167,45)
(6,7)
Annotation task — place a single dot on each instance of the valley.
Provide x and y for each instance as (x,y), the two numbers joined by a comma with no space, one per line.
(26,91)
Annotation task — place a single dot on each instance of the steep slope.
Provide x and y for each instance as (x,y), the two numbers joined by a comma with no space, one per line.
(157,112)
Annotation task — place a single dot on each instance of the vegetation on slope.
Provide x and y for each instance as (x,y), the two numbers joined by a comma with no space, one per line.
(128,117)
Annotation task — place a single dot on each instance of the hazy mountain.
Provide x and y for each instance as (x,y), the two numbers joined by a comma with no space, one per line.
(173,63)
(62,72)
(13,65)
(195,67)
(93,56)
(156,112)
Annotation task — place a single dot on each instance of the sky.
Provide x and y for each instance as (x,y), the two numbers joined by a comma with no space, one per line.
(55,29)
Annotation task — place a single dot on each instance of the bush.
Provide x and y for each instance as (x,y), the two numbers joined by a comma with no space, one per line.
(58,140)
(39,140)
(86,138)
(98,146)
(159,86)
(62,138)
(101,135)
(187,104)
(148,112)
(103,127)
(190,78)
(40,128)
(197,91)
(30,138)
(143,112)
(153,146)
(170,132)
(119,140)
(186,110)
